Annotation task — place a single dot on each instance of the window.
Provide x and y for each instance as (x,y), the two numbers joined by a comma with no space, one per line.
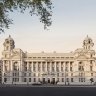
(70,68)
(62,79)
(81,79)
(91,74)
(53,69)
(25,80)
(91,68)
(34,74)
(29,74)
(5,79)
(71,63)
(57,69)
(58,79)
(71,74)
(66,69)
(24,74)
(81,68)
(62,74)
(34,79)
(80,62)
(61,68)
(34,68)
(38,79)
(34,57)
(67,79)
(72,80)
(38,74)
(29,79)
(57,74)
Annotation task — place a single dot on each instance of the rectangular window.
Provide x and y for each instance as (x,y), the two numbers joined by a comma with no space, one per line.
(34,69)
(53,69)
(34,74)
(34,79)
(61,68)
(62,79)
(57,69)
(91,74)
(38,79)
(62,74)
(72,80)
(58,79)
(24,74)
(39,68)
(91,68)
(70,68)
(5,79)
(66,69)
(29,74)
(25,80)
(67,79)
(81,79)
(29,79)
(57,74)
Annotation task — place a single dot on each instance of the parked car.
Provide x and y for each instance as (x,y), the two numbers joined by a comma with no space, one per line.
(36,83)
(60,83)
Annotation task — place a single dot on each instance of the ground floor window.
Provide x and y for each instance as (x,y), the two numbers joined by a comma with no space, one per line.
(72,80)
(81,79)
(67,79)
(5,79)
(29,79)
(15,80)
(34,79)
(39,79)
(58,79)
(25,79)
(62,79)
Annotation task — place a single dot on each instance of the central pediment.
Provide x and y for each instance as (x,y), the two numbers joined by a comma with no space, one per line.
(82,57)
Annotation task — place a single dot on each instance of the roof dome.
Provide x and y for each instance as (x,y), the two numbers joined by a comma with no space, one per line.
(88,43)
(87,38)
(9,38)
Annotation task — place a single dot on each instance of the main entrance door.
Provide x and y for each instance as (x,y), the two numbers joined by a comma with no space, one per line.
(48,80)
(43,80)
(53,80)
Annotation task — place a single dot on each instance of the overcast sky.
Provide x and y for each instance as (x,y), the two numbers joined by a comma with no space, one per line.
(72,20)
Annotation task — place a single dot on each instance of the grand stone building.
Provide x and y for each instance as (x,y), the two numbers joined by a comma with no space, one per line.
(78,67)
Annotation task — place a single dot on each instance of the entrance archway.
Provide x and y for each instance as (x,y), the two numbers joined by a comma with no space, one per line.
(48,80)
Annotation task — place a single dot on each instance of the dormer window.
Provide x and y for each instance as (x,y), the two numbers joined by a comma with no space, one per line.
(7,42)
(89,42)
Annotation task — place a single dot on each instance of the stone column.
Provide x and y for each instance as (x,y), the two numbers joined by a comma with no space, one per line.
(32,66)
(55,67)
(36,70)
(50,67)
(11,71)
(20,71)
(27,66)
(60,73)
(46,67)
(3,65)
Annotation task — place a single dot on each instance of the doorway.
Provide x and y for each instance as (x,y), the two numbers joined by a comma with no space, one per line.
(48,80)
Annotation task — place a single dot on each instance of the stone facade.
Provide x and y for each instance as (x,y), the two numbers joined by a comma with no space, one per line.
(78,67)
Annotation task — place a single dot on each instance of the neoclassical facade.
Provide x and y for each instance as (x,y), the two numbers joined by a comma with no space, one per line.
(78,67)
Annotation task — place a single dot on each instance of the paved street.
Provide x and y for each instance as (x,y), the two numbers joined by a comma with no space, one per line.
(48,91)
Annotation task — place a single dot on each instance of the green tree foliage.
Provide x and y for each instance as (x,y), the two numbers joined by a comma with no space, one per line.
(41,8)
